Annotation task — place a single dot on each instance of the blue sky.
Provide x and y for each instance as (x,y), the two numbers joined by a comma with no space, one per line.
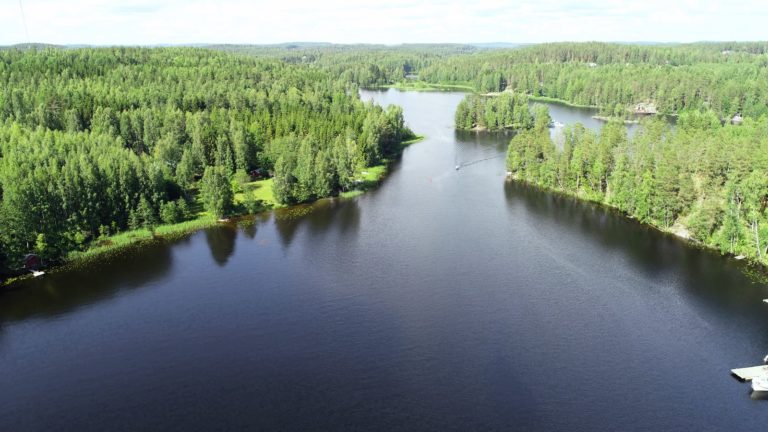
(145,22)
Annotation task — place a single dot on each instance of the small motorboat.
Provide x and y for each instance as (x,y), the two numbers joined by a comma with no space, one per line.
(559,124)
(36,273)
(760,384)
(457,167)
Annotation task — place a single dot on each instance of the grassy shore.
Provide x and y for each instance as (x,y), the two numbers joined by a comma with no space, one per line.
(200,220)
(129,238)
(413,140)
(367,178)
(425,86)
(560,101)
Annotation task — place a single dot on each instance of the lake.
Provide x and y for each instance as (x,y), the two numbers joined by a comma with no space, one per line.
(443,300)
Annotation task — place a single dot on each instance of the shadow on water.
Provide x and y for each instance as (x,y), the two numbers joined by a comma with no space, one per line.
(480,146)
(248,228)
(343,215)
(221,241)
(713,280)
(67,290)
(320,218)
(499,140)
(70,288)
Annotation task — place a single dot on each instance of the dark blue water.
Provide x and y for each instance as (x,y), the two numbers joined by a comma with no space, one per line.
(444,300)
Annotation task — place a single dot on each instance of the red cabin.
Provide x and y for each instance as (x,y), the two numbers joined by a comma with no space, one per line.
(32,262)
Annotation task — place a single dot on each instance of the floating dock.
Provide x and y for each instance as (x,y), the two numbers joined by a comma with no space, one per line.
(747,374)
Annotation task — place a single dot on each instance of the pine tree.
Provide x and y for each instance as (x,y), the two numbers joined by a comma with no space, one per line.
(216,191)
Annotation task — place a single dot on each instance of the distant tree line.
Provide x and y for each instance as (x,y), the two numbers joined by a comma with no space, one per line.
(724,77)
(365,65)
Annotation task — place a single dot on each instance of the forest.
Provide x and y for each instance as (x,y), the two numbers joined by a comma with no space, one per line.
(98,141)
(701,179)
(727,78)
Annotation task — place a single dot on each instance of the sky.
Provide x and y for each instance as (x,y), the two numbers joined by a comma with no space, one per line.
(149,22)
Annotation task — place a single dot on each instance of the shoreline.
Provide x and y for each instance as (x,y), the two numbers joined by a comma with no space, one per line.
(423,86)
(561,102)
(677,230)
(609,119)
(370,178)
(426,87)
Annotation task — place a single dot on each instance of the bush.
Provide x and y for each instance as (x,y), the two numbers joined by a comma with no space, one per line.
(169,213)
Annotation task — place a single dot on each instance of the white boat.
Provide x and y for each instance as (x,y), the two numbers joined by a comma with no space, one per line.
(760,384)
(457,167)
(36,273)
(559,125)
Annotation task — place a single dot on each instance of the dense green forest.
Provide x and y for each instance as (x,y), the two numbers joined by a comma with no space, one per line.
(98,141)
(700,179)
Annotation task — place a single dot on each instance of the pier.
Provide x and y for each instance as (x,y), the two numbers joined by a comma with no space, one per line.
(748,373)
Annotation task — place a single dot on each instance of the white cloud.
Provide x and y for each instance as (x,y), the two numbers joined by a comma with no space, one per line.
(390,21)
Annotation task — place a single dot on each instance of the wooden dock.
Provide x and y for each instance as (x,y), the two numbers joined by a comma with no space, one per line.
(746,374)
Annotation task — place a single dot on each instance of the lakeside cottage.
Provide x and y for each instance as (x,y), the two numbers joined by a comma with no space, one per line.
(32,262)
(259,173)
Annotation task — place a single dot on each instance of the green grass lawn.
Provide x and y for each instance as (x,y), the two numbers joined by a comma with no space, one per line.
(372,174)
(263,192)
(365,179)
